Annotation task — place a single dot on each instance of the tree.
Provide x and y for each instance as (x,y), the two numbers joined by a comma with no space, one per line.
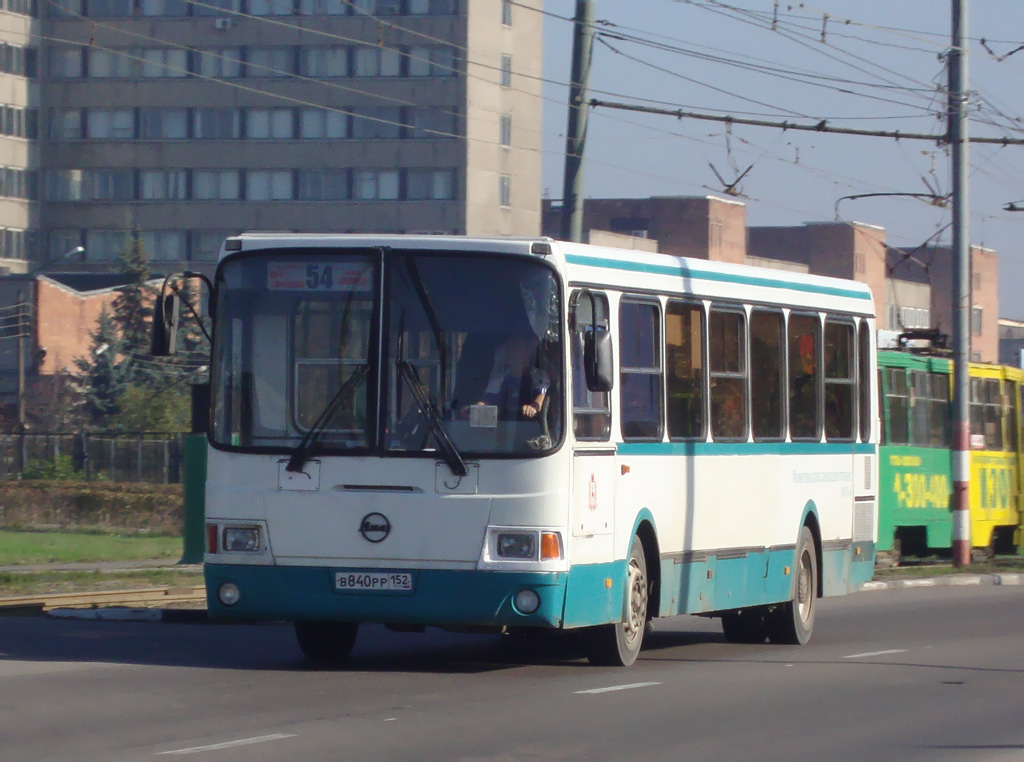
(101,376)
(147,409)
(132,306)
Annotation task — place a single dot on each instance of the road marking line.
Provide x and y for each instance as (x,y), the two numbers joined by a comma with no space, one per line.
(618,688)
(877,653)
(230,744)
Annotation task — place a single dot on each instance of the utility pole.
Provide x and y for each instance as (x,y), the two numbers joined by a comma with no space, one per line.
(961,253)
(576,132)
(21,362)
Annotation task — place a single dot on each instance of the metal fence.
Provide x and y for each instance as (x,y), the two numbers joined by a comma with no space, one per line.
(150,457)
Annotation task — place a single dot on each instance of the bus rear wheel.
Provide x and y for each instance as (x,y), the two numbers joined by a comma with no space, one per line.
(792,622)
(618,645)
(326,643)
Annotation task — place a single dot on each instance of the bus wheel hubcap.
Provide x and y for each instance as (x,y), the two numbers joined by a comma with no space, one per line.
(637,616)
(804,588)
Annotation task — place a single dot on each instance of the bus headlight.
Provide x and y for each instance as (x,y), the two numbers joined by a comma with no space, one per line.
(517,545)
(228,593)
(241,539)
(526,601)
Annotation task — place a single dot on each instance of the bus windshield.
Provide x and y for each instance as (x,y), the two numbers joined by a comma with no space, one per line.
(470,362)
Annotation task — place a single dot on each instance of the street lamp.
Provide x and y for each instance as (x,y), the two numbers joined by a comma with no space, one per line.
(73,252)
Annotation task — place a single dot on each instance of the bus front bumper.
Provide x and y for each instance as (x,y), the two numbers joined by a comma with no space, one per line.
(439,597)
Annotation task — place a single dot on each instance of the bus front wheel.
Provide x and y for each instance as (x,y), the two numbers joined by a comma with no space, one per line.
(618,645)
(326,643)
(792,622)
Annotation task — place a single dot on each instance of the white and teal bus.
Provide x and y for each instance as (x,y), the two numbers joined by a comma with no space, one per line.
(524,433)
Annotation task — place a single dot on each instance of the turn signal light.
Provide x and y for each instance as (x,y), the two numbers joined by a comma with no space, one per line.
(549,546)
(211,538)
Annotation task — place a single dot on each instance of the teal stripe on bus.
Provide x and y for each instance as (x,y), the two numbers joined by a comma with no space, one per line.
(744,448)
(685,272)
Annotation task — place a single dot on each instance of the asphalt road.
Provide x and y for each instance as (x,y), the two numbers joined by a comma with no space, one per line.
(934,674)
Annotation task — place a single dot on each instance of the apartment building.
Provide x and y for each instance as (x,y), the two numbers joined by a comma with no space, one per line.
(186,121)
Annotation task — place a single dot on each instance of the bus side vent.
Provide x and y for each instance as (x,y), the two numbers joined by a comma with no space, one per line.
(863,521)
(867,473)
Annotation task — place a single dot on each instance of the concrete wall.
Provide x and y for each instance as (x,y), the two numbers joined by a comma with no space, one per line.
(984,295)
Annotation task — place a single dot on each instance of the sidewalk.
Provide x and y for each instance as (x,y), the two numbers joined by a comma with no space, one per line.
(947,580)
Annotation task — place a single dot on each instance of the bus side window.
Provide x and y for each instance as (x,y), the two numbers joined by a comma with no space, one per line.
(685,379)
(728,365)
(591,411)
(840,381)
(766,361)
(804,371)
(640,370)
(864,364)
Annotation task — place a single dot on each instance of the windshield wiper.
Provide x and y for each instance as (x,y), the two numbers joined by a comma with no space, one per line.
(301,453)
(451,453)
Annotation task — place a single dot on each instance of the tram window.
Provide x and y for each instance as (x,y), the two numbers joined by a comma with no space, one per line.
(767,389)
(728,365)
(1020,415)
(640,371)
(864,365)
(938,402)
(591,411)
(1011,416)
(684,365)
(804,370)
(883,437)
(986,412)
(840,381)
(920,409)
(897,401)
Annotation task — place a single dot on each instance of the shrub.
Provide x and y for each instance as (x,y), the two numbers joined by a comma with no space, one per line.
(61,468)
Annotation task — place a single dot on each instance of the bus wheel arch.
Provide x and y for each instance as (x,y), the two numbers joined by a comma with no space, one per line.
(652,555)
(811,522)
(618,644)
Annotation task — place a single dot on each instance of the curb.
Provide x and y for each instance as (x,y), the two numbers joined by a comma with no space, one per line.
(952,580)
(121,614)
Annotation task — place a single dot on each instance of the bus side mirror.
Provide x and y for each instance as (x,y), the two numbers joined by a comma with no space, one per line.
(597,360)
(163,340)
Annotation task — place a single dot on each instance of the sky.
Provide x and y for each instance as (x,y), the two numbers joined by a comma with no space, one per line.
(879,67)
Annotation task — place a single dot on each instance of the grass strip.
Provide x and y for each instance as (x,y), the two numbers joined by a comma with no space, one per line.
(45,547)
(49,583)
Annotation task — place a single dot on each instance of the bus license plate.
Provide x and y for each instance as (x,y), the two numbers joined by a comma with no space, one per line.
(395,582)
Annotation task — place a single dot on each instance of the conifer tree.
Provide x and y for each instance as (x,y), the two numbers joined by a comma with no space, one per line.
(101,374)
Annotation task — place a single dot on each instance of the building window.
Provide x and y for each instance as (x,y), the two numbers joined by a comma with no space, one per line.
(163,245)
(268,62)
(164,62)
(216,123)
(376,122)
(270,7)
(429,184)
(103,124)
(65,63)
(506,12)
(109,8)
(977,320)
(323,62)
(104,245)
(504,190)
(269,185)
(431,7)
(215,184)
(323,185)
(163,7)
(505,130)
(377,7)
(859,264)
(216,7)
(108,185)
(65,124)
(373,185)
(432,61)
(976,278)
(163,185)
(323,7)
(431,123)
(715,233)
(64,9)
(206,244)
(269,124)
(316,123)
(377,62)
(219,62)
(163,123)
(110,63)
(60,242)
(506,71)
(64,185)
